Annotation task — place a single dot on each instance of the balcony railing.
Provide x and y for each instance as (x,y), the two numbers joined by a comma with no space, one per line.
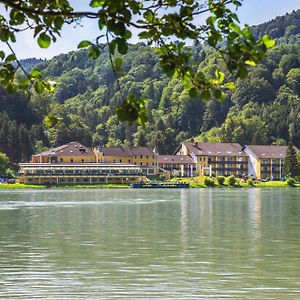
(228,169)
(272,164)
(235,162)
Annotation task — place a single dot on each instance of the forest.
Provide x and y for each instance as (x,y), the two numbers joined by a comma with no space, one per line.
(264,108)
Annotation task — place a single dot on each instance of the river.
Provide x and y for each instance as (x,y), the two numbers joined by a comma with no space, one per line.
(150,244)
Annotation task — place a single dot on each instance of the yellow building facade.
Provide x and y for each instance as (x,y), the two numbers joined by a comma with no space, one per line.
(219,159)
(266,162)
(138,156)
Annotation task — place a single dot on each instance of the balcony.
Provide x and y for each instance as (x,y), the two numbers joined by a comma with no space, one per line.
(228,169)
(223,162)
(272,164)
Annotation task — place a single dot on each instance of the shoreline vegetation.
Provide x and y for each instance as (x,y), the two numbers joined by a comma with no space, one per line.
(194,182)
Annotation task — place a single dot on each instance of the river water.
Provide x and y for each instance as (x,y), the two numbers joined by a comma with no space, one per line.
(150,244)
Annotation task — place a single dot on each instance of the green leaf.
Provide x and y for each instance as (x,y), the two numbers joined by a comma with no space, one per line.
(234,27)
(96,3)
(268,42)
(84,44)
(229,86)
(51,120)
(193,92)
(44,40)
(148,15)
(205,95)
(118,63)
(36,73)
(39,87)
(94,52)
(10,58)
(220,76)
(122,45)
(250,63)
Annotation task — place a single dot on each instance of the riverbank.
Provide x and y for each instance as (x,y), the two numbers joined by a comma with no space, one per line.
(194,182)
(199,182)
(77,186)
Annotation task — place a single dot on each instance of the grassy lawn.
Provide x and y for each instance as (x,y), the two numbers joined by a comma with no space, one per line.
(21,186)
(74,186)
(199,182)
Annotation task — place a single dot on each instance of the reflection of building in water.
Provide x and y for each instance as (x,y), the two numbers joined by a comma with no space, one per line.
(196,216)
(254,209)
(184,219)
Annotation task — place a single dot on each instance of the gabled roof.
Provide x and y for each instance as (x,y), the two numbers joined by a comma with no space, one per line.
(141,151)
(70,149)
(126,151)
(116,151)
(264,151)
(175,159)
(215,149)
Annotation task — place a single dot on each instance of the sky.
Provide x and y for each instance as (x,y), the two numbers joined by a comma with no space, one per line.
(252,12)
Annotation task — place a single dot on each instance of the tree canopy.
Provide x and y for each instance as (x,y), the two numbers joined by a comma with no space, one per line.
(167,25)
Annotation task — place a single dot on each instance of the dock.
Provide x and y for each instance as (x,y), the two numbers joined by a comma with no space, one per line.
(159,185)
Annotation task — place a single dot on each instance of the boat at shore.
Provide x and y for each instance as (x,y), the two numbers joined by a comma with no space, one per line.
(159,185)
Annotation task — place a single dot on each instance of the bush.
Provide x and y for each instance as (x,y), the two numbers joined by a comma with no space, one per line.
(231,180)
(221,180)
(251,181)
(291,181)
(209,181)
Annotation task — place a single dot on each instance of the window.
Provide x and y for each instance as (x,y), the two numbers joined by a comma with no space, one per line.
(114,160)
(200,159)
(141,156)
(129,161)
(71,160)
(120,160)
(147,164)
(141,164)
(61,160)
(82,160)
(147,156)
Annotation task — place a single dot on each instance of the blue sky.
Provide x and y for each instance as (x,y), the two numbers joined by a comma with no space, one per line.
(252,12)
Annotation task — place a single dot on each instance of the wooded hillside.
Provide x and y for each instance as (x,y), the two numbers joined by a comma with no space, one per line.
(264,108)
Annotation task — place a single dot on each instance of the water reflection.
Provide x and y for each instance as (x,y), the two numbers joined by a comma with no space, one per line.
(125,244)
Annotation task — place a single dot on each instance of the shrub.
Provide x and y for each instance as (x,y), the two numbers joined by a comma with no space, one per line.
(209,181)
(221,180)
(231,180)
(250,181)
(291,181)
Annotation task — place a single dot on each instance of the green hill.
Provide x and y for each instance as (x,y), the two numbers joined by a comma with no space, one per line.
(264,109)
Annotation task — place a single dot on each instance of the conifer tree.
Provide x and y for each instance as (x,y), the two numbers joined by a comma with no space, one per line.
(290,162)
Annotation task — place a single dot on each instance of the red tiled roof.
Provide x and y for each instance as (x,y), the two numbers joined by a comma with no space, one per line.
(215,149)
(126,151)
(175,159)
(263,151)
(70,149)
(115,151)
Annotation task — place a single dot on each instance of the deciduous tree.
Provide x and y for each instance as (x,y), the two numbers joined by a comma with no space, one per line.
(165,24)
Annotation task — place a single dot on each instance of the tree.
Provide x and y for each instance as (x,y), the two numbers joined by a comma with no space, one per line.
(4,162)
(290,162)
(159,23)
